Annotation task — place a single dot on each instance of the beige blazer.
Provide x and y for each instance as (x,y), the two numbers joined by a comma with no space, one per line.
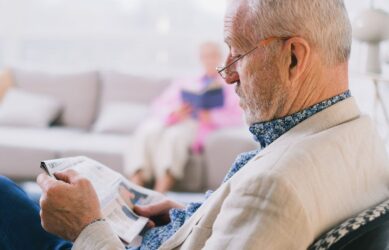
(326,169)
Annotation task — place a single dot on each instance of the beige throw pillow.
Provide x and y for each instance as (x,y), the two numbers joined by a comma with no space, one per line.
(120,118)
(21,108)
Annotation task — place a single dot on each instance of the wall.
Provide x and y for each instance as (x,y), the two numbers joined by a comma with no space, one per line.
(158,37)
(362,86)
(141,36)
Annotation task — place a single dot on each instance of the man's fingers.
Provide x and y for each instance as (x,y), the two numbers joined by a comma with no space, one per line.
(140,211)
(160,208)
(41,178)
(156,217)
(45,181)
(68,176)
(150,224)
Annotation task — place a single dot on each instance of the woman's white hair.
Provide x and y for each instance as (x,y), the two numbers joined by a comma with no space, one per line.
(324,23)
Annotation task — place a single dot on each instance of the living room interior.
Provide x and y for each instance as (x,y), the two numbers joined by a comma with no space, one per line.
(80,78)
(90,54)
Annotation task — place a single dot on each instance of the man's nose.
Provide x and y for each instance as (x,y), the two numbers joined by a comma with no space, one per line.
(232,77)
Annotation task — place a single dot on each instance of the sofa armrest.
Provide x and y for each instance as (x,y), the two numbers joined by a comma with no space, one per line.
(220,150)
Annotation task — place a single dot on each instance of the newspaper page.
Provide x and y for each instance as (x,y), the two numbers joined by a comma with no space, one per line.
(116,194)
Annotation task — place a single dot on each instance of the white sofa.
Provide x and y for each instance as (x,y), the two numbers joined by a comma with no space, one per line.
(83,97)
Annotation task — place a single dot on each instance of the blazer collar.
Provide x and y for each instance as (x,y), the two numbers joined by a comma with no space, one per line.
(334,115)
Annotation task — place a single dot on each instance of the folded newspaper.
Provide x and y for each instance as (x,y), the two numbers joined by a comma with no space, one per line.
(116,194)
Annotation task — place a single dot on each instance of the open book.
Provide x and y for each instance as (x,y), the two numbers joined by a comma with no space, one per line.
(116,194)
(208,98)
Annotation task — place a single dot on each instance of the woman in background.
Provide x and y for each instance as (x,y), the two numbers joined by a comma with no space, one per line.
(162,144)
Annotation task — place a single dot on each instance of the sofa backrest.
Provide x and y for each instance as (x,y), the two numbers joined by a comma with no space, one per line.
(84,95)
(125,101)
(120,87)
(78,93)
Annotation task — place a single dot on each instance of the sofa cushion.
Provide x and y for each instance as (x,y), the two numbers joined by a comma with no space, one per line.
(193,180)
(78,93)
(43,138)
(220,151)
(111,150)
(128,88)
(20,108)
(22,162)
(120,117)
(22,149)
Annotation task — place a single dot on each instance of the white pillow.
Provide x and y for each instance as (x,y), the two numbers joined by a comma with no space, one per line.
(78,93)
(120,117)
(21,108)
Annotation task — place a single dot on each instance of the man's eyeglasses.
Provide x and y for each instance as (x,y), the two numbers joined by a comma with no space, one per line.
(223,70)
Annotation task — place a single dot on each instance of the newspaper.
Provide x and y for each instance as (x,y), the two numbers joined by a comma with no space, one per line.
(116,194)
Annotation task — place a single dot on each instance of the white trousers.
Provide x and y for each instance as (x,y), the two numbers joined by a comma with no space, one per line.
(157,148)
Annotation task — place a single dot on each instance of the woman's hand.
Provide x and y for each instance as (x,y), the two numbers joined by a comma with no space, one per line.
(205,117)
(182,113)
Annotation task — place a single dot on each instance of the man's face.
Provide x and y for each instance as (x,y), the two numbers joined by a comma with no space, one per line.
(258,81)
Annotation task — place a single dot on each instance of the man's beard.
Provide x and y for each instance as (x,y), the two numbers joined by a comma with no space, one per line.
(265,101)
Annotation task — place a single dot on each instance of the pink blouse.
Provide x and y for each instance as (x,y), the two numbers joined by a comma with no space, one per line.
(227,116)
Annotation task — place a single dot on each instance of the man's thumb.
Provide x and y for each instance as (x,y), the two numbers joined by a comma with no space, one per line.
(67,176)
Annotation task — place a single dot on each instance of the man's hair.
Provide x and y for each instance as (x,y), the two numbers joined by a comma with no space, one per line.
(324,23)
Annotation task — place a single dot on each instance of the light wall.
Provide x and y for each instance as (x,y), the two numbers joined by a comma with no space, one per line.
(359,50)
(361,86)
(151,37)
(158,37)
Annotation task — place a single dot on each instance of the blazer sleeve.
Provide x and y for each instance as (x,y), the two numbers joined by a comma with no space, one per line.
(98,235)
(267,214)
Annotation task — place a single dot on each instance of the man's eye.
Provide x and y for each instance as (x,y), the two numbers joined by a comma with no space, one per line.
(235,57)
(234,53)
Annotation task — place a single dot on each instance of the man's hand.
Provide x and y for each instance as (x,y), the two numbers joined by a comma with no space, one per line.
(68,204)
(158,213)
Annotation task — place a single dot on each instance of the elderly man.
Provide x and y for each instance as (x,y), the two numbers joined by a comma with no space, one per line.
(320,161)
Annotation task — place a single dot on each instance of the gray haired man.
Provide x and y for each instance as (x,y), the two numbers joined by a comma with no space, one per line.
(320,161)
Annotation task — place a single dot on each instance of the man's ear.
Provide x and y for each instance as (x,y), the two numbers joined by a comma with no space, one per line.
(294,61)
(299,51)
